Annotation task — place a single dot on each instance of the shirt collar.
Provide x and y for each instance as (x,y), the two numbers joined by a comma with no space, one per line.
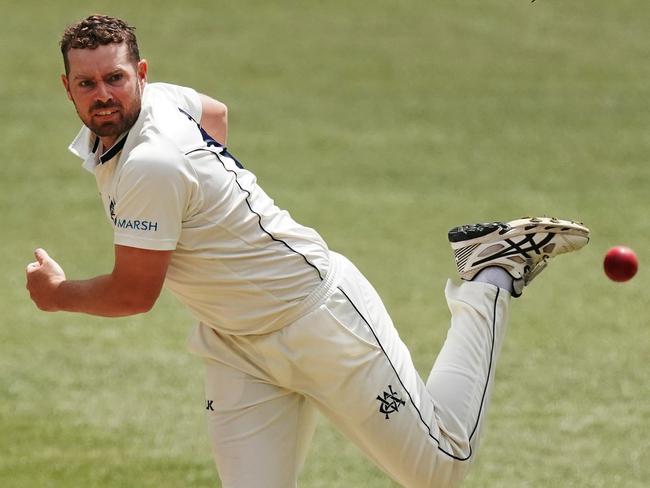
(85,147)
(113,150)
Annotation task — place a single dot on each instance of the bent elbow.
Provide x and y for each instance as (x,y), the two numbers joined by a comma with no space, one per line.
(135,305)
(222,110)
(147,304)
(142,308)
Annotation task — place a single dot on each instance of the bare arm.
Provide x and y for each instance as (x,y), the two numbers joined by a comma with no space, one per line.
(214,118)
(131,288)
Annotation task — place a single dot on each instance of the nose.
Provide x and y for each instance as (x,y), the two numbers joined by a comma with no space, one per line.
(102,93)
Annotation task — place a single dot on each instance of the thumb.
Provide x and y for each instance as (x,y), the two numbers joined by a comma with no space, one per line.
(41,255)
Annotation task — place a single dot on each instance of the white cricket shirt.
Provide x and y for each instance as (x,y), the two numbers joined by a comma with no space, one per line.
(240,264)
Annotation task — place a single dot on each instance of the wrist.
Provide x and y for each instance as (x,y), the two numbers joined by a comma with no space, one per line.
(59,295)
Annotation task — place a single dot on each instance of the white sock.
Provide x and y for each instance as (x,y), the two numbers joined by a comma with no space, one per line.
(497,276)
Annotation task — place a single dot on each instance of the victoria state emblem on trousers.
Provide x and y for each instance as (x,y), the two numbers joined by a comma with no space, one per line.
(389,402)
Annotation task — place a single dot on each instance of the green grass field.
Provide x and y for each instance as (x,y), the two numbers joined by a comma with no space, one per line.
(382,124)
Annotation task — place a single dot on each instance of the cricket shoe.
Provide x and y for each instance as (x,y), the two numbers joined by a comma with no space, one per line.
(521,247)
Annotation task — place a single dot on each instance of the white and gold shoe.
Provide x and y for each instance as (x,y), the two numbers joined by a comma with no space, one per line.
(522,247)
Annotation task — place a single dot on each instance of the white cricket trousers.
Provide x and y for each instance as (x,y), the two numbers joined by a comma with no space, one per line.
(345,358)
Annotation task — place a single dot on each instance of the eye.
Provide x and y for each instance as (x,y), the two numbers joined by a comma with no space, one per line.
(115,77)
(85,83)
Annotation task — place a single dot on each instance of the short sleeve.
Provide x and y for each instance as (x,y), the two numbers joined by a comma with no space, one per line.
(186,98)
(152,195)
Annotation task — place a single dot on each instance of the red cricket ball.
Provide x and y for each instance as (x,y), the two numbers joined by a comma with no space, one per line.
(621,263)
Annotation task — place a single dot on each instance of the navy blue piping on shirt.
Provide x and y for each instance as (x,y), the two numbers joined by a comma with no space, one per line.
(110,154)
(248,203)
(493,326)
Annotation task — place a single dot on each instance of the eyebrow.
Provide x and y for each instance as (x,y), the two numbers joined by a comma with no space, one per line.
(84,76)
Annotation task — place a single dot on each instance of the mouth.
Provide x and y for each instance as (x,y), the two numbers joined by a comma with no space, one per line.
(105,113)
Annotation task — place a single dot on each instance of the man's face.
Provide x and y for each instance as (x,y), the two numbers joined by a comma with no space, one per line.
(106,89)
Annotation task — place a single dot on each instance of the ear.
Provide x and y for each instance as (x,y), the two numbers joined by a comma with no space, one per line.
(142,71)
(66,85)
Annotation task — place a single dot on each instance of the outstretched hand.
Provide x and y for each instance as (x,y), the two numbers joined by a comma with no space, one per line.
(43,278)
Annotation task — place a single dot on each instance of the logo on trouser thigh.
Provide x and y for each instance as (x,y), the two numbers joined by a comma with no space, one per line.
(389,402)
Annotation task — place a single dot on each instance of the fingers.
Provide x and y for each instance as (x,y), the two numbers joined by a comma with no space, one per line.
(43,278)
(45,265)
(41,255)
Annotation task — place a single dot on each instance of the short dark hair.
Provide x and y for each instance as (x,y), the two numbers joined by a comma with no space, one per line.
(99,30)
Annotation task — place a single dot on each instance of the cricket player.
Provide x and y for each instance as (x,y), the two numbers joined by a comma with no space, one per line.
(286,326)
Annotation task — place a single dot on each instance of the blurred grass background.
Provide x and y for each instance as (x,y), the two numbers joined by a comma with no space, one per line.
(381,124)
